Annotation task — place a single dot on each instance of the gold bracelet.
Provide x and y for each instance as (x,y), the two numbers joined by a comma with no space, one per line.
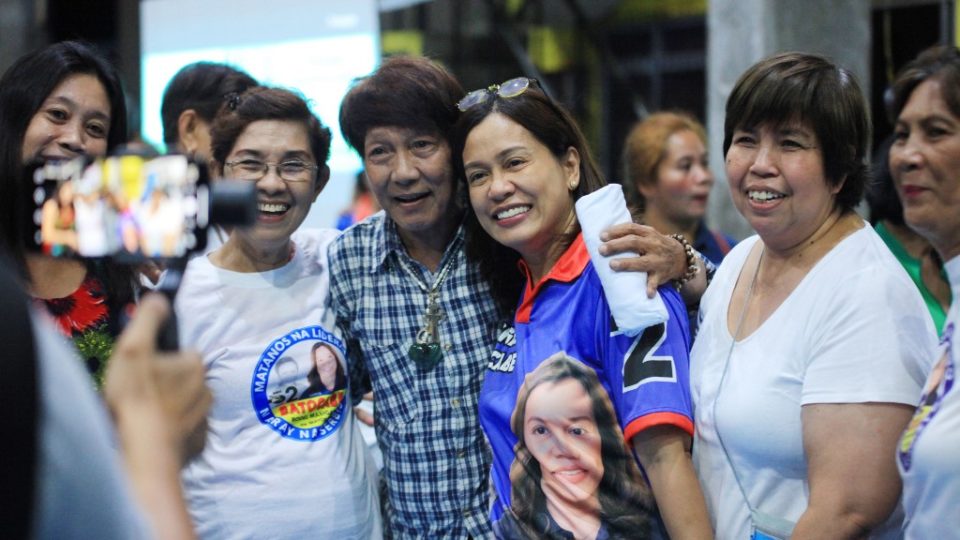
(691,256)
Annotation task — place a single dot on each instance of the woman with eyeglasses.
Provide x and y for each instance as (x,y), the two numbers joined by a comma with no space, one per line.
(813,341)
(284,468)
(525,163)
(925,164)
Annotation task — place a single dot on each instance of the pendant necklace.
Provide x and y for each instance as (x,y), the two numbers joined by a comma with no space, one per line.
(426,352)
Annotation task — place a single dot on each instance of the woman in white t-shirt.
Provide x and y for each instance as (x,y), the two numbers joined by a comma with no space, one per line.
(279,463)
(925,164)
(813,341)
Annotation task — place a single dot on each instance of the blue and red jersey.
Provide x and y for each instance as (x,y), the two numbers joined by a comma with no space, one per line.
(646,376)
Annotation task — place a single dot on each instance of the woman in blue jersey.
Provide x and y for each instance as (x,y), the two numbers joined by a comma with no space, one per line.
(525,162)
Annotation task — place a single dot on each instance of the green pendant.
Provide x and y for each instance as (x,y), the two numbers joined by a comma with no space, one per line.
(425,351)
(425,355)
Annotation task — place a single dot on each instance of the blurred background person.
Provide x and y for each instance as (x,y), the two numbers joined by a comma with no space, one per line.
(362,206)
(128,484)
(60,102)
(297,468)
(925,164)
(134,492)
(918,257)
(667,178)
(191,101)
(810,328)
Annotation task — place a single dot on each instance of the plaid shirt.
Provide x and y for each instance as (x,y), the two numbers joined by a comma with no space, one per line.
(436,459)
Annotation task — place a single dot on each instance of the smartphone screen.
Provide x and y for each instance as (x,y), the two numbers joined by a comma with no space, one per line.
(126,207)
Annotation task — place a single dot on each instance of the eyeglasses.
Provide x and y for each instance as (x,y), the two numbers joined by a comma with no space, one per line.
(288,171)
(507,89)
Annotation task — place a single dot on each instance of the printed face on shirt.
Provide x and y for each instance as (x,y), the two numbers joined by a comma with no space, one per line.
(520,191)
(562,435)
(683,180)
(326,364)
(73,120)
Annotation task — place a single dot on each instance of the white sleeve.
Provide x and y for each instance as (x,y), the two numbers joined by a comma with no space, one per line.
(872,339)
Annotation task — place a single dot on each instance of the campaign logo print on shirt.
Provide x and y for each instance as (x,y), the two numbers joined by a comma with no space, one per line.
(299,386)
(504,356)
(939,383)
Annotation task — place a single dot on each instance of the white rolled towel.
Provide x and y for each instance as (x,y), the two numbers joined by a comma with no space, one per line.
(626,292)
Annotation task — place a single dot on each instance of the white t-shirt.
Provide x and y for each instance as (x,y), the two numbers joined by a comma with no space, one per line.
(854,330)
(284,457)
(927,455)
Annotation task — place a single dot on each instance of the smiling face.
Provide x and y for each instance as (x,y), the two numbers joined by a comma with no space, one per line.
(282,205)
(519,190)
(683,181)
(562,435)
(777,182)
(925,164)
(326,364)
(411,176)
(73,120)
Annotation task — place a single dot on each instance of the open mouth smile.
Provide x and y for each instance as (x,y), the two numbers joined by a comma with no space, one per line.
(273,209)
(512,212)
(764,196)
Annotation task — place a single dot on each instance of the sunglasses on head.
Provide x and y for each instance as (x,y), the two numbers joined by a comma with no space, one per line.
(507,89)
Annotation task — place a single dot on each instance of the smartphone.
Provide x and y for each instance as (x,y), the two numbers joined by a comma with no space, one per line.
(127,208)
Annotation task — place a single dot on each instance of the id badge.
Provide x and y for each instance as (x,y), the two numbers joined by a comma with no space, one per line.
(760,535)
(767,527)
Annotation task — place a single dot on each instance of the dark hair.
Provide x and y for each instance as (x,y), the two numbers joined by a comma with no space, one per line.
(553,127)
(810,89)
(941,63)
(263,103)
(405,91)
(625,501)
(646,147)
(881,194)
(23,89)
(203,87)
(315,384)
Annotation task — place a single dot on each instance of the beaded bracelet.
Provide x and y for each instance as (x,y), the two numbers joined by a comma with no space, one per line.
(691,257)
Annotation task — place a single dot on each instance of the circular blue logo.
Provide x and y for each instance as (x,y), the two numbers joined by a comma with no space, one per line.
(299,386)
